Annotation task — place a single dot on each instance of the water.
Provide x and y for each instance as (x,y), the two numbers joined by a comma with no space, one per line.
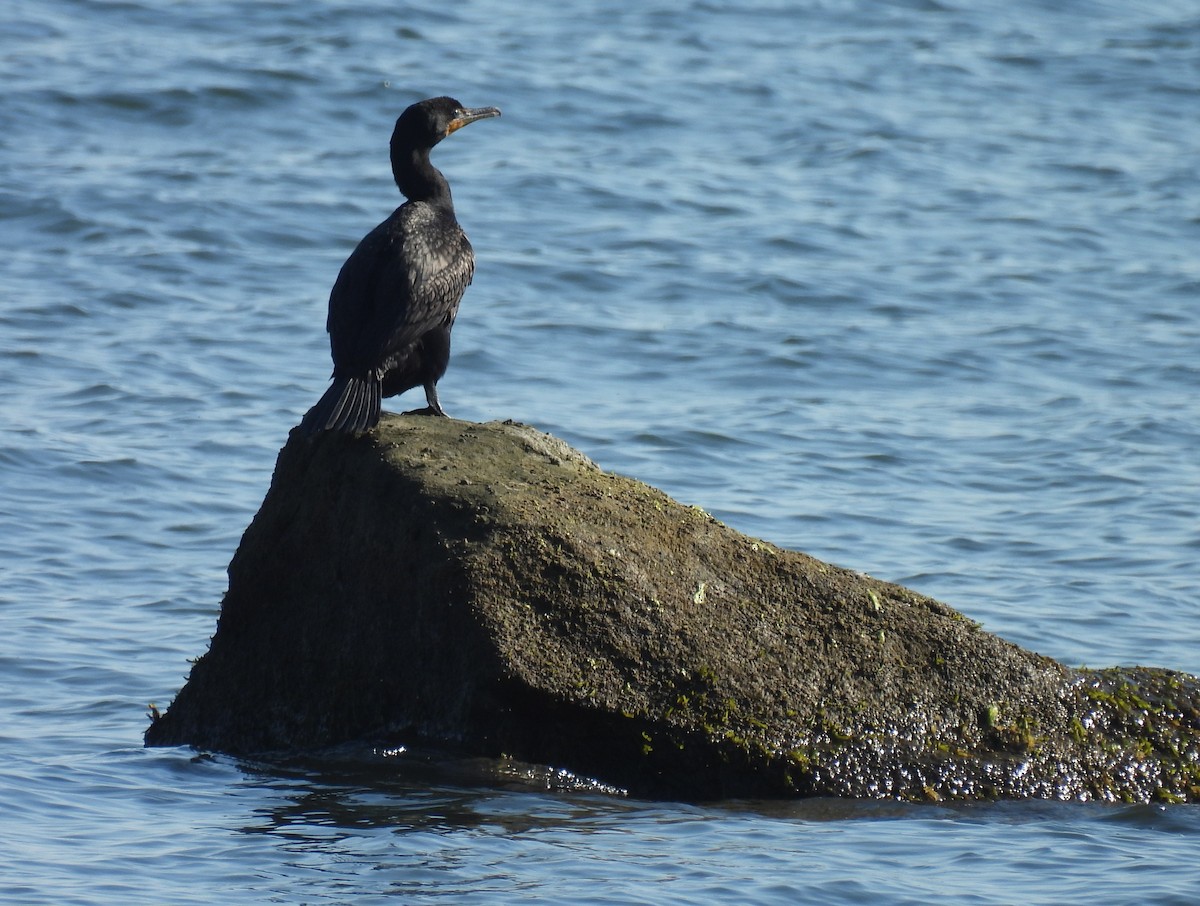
(911,286)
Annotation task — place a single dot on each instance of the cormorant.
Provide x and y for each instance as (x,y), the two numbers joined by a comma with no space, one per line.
(394,301)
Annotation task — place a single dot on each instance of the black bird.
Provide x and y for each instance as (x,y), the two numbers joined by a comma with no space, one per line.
(394,301)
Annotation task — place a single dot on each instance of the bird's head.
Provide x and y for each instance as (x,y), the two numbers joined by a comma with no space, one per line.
(427,122)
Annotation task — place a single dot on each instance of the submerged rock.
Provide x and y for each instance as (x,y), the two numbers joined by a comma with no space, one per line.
(490,588)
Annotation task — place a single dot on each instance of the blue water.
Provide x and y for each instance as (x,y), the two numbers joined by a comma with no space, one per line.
(911,286)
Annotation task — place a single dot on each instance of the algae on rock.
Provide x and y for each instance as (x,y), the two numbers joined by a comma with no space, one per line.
(489,587)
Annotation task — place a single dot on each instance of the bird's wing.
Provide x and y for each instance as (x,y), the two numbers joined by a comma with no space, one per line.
(406,277)
(364,303)
(438,264)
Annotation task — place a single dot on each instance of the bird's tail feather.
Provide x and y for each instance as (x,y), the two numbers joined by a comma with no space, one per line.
(350,405)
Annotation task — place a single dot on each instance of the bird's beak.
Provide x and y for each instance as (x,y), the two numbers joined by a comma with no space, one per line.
(470,115)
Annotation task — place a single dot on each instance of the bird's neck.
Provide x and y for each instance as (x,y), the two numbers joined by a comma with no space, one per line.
(420,180)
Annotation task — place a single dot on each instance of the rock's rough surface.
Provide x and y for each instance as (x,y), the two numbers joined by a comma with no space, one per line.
(489,587)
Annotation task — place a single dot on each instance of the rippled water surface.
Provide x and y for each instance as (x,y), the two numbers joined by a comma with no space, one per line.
(911,286)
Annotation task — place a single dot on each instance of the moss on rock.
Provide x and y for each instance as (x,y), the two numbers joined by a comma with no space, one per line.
(489,587)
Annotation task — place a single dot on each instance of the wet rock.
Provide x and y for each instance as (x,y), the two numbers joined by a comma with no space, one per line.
(488,587)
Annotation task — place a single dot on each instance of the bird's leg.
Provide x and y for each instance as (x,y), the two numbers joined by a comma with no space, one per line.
(434,407)
(431,397)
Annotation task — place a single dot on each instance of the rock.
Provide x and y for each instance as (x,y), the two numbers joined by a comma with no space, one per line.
(489,588)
